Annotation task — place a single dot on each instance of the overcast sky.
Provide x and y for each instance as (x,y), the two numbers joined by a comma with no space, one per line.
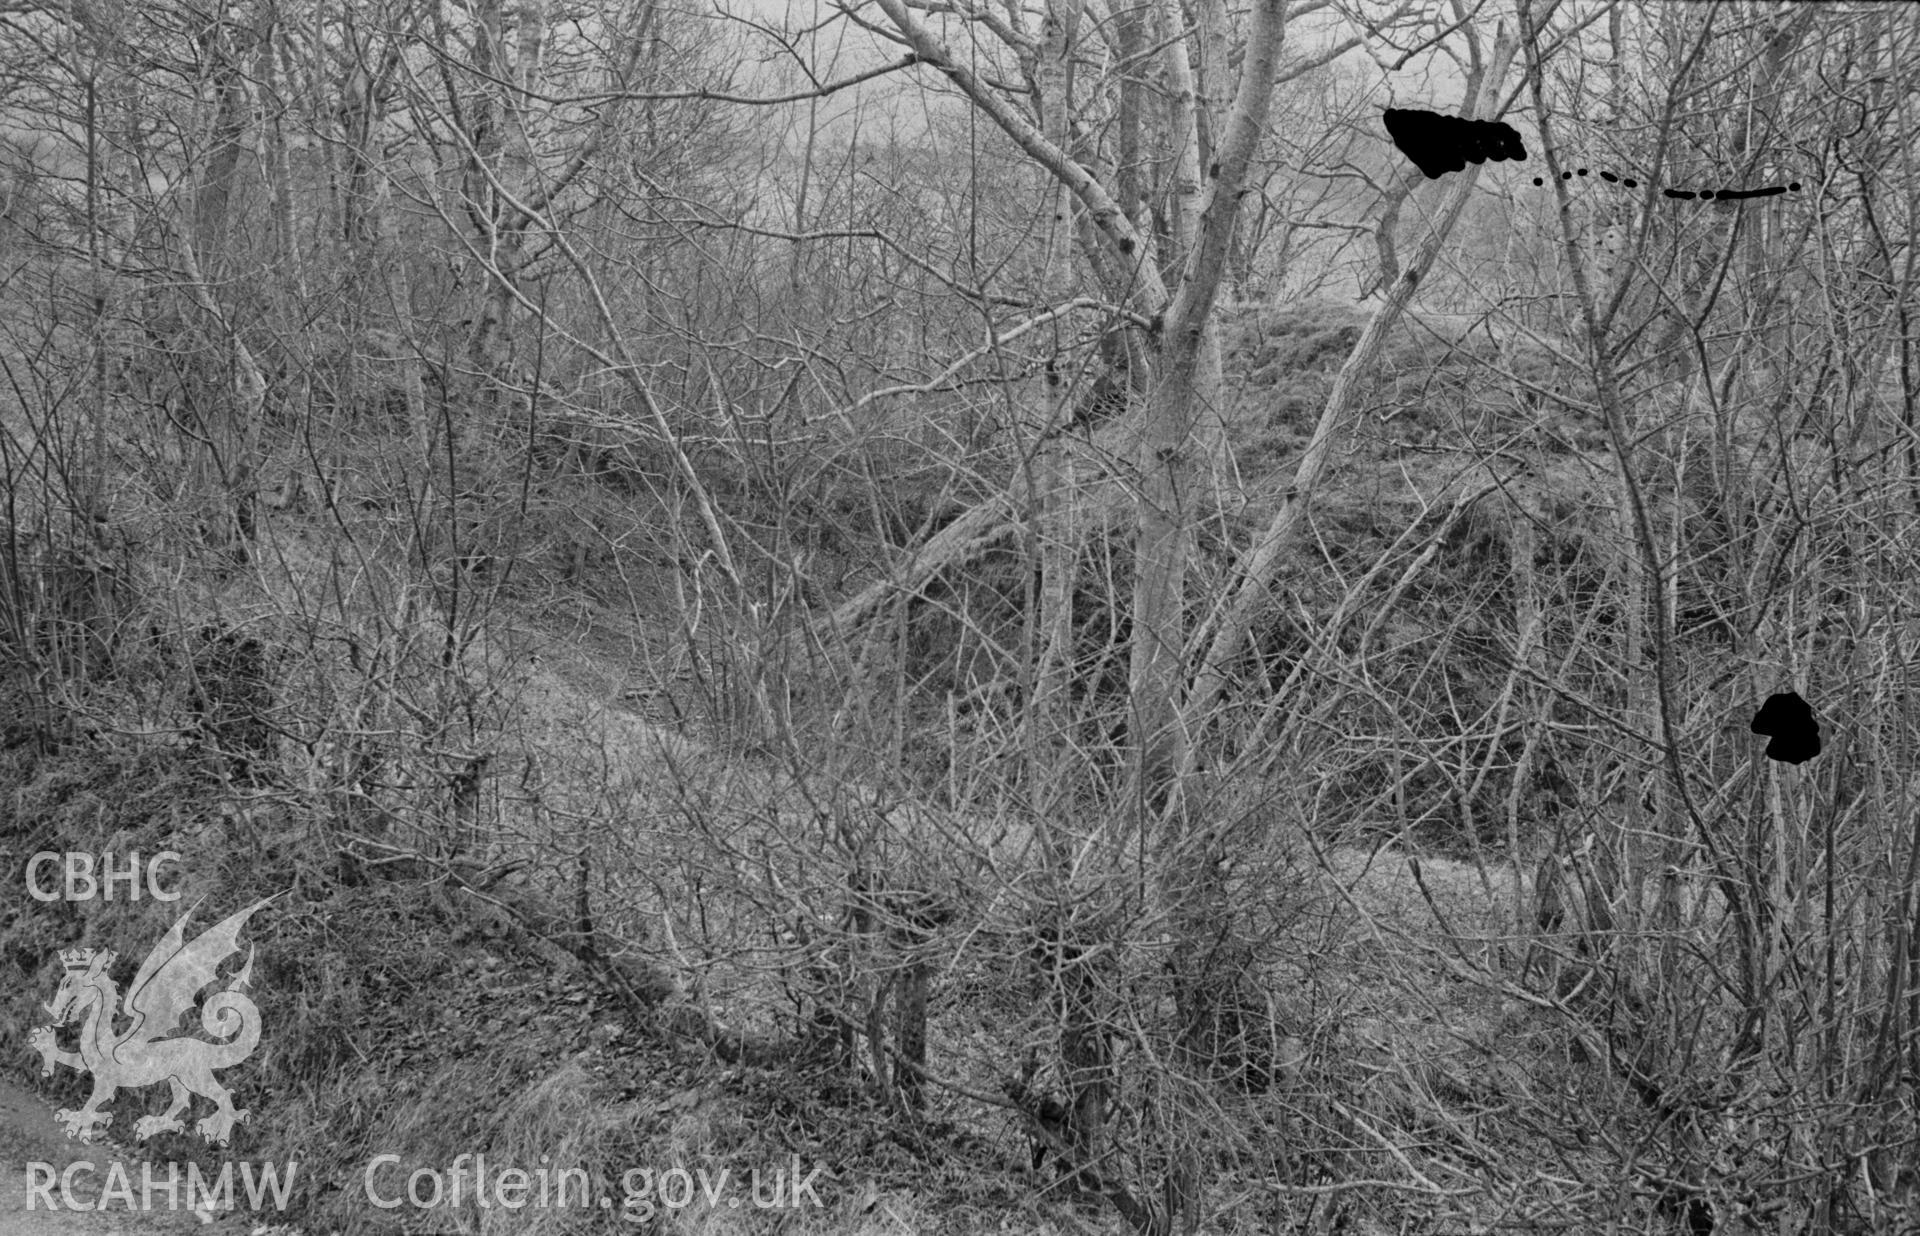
(897,104)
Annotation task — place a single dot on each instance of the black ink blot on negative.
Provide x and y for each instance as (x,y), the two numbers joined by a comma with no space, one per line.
(1688,195)
(1440,144)
(1609,177)
(1787,721)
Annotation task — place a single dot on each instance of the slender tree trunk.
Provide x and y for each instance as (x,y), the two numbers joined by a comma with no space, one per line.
(1171,464)
(232,117)
(1260,563)
(1059,529)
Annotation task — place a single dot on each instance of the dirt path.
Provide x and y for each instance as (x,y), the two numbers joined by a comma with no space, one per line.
(30,1136)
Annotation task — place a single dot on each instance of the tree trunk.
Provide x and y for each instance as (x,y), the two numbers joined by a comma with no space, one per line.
(1259,564)
(1172,454)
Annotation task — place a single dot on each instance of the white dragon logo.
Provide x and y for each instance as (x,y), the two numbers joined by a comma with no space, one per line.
(162,993)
